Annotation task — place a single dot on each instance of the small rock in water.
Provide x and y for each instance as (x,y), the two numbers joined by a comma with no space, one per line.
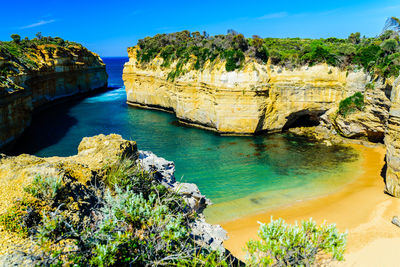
(396,221)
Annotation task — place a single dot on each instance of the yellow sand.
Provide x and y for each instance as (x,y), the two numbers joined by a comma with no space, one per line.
(362,208)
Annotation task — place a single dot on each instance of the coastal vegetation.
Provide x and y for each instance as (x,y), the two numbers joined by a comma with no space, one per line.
(378,55)
(351,104)
(25,51)
(126,217)
(26,55)
(282,244)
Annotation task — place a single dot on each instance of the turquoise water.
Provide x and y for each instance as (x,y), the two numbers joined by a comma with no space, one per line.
(241,175)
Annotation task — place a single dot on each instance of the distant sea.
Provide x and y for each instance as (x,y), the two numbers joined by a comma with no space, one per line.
(241,175)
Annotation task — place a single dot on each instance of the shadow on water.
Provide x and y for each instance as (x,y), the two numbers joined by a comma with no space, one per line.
(49,126)
(45,130)
(53,123)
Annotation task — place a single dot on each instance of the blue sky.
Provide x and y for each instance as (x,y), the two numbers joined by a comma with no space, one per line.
(109,27)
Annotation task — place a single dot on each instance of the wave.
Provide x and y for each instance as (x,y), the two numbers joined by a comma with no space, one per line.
(113,95)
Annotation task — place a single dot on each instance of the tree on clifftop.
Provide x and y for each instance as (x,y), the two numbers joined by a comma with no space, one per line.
(39,35)
(355,38)
(389,45)
(16,38)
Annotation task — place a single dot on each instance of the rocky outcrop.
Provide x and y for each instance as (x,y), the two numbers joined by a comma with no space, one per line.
(370,122)
(94,154)
(392,142)
(203,232)
(61,72)
(82,172)
(258,97)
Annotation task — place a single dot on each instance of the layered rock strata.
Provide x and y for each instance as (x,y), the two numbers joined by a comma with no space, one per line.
(60,73)
(258,97)
(392,142)
(371,121)
(264,97)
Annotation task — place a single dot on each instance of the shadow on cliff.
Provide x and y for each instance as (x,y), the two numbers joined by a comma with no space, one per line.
(383,171)
(383,176)
(48,127)
(50,124)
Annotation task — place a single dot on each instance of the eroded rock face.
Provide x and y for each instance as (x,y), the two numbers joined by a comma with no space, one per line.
(15,115)
(59,74)
(371,122)
(392,142)
(258,97)
(80,172)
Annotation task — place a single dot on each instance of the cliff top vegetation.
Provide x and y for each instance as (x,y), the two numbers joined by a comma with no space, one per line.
(378,55)
(20,56)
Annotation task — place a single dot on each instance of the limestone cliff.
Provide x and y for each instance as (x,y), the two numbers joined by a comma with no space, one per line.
(392,141)
(371,121)
(264,97)
(257,97)
(46,73)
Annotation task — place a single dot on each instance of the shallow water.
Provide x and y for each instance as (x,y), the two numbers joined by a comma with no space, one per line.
(241,175)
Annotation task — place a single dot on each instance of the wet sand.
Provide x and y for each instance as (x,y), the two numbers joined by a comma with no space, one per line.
(361,208)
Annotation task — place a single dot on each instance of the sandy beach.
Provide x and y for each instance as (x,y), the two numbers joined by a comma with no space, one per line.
(361,208)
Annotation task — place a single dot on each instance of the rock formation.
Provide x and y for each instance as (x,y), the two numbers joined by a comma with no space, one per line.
(392,141)
(264,97)
(258,97)
(371,121)
(81,172)
(59,72)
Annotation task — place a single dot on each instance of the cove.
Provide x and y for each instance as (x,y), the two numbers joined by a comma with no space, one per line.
(241,175)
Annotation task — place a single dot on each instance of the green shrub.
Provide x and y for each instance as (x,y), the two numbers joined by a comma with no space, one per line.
(263,53)
(319,51)
(234,59)
(370,85)
(351,104)
(388,34)
(21,216)
(135,221)
(371,53)
(367,54)
(346,49)
(16,38)
(178,71)
(132,229)
(50,49)
(354,38)
(389,45)
(167,54)
(44,188)
(59,41)
(126,173)
(294,245)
